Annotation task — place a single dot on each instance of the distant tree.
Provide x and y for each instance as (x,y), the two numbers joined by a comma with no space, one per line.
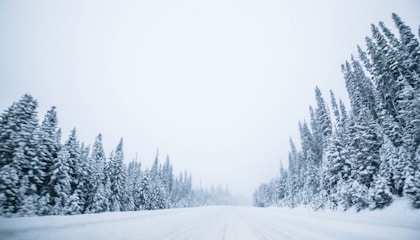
(145,194)
(134,177)
(294,183)
(168,180)
(96,200)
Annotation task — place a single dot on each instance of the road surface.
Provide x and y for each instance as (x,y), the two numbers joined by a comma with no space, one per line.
(214,223)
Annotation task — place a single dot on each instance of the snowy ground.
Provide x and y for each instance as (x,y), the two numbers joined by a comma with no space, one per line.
(226,222)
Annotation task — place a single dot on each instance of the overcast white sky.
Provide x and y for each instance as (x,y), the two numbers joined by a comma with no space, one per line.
(218,85)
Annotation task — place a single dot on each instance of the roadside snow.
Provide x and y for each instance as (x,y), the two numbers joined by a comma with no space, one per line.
(396,222)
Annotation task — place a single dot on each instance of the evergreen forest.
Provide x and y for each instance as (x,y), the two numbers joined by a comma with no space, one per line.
(40,175)
(368,155)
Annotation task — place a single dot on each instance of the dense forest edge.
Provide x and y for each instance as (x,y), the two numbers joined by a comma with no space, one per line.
(368,155)
(40,175)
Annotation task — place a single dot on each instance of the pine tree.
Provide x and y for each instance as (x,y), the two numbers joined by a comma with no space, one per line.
(309,176)
(322,116)
(18,155)
(167,179)
(410,52)
(106,204)
(96,201)
(366,143)
(281,188)
(176,191)
(394,42)
(336,111)
(84,187)
(154,172)
(48,147)
(158,191)
(60,182)
(294,183)
(134,183)
(338,167)
(146,192)
(118,179)
(75,203)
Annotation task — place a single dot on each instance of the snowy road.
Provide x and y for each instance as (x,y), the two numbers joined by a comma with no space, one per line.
(216,223)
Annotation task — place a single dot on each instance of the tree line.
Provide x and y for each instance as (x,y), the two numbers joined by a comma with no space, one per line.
(366,156)
(40,175)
